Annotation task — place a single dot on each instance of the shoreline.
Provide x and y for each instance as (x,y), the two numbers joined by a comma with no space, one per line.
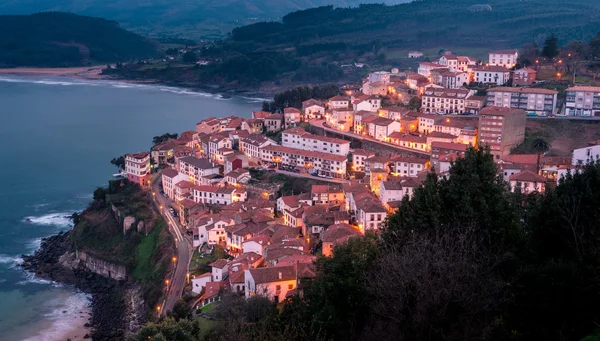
(94,73)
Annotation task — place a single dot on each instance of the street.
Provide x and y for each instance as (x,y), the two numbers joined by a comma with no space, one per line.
(176,283)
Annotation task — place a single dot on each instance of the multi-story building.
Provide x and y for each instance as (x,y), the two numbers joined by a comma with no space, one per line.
(583,101)
(444,101)
(427,122)
(169,178)
(453,80)
(313,109)
(291,117)
(379,76)
(366,103)
(426,67)
(381,127)
(496,75)
(251,145)
(358,159)
(474,104)
(195,168)
(408,166)
(535,101)
(370,213)
(525,76)
(253,125)
(273,122)
(339,102)
(323,164)
(209,125)
(504,58)
(341,119)
(137,167)
(271,282)
(298,138)
(527,182)
(583,156)
(501,129)
(215,143)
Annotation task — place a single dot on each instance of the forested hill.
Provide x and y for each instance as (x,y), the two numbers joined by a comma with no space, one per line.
(426,23)
(54,39)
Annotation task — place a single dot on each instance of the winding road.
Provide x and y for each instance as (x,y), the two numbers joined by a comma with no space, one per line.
(184,249)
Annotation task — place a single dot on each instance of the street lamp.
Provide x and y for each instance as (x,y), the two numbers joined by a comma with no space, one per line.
(174,259)
(167,282)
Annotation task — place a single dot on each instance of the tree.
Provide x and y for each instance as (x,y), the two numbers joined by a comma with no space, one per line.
(540,146)
(99,194)
(181,310)
(595,46)
(414,103)
(190,57)
(550,49)
(119,162)
(164,137)
(169,329)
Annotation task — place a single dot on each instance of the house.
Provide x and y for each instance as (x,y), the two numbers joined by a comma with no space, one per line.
(331,194)
(453,79)
(382,127)
(213,292)
(256,244)
(137,167)
(409,140)
(196,168)
(583,101)
(501,129)
(261,115)
(504,58)
(440,149)
(377,162)
(219,269)
(524,76)
(182,190)
(528,182)
(253,125)
(298,138)
(358,159)
(535,101)
(426,67)
(335,235)
(252,144)
(426,122)
(360,123)
(341,119)
(444,101)
(323,164)
(407,166)
(415,54)
(235,160)
(313,109)
(272,282)
(169,178)
(474,104)
(273,122)
(291,117)
(199,282)
(494,75)
(418,82)
(583,156)
(370,214)
(367,103)
(215,143)
(339,102)
(237,177)
(390,191)
(379,76)
(209,125)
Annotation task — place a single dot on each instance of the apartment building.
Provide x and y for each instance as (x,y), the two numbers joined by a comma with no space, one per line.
(583,101)
(323,164)
(534,101)
(504,58)
(251,145)
(444,101)
(496,75)
(300,139)
(137,167)
(195,168)
(501,129)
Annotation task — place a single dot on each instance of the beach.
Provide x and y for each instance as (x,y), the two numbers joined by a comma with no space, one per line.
(84,72)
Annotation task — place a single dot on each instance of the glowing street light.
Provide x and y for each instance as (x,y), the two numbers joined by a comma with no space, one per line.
(167,282)
(158,308)
(174,259)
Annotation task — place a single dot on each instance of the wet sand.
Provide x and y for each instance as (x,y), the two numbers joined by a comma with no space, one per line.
(87,72)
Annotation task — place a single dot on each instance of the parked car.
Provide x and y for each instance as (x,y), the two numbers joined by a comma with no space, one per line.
(296,170)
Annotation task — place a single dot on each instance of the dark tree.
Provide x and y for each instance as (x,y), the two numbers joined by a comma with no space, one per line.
(164,137)
(550,49)
(540,146)
(190,57)
(119,162)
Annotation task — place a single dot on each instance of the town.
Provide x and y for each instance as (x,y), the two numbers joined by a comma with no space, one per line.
(209,181)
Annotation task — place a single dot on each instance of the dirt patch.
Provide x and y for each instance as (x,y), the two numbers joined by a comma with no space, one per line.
(563,135)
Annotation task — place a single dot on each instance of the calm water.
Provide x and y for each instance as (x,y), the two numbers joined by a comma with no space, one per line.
(57,138)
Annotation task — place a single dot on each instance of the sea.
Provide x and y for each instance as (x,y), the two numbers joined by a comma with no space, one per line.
(57,137)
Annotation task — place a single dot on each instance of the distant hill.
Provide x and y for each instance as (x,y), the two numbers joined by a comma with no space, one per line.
(187,18)
(54,39)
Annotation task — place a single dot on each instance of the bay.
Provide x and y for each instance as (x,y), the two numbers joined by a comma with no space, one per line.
(57,137)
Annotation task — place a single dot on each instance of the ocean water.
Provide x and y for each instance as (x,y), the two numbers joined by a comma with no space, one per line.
(57,138)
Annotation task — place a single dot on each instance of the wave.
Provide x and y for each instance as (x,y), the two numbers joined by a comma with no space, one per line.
(13,261)
(67,319)
(31,278)
(62,219)
(256,99)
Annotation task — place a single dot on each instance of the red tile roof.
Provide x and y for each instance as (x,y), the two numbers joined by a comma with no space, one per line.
(527,176)
(275,274)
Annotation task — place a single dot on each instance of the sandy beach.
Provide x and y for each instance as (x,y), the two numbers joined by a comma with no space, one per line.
(86,72)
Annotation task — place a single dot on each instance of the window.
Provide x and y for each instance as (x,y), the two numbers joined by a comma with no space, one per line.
(278,287)
(290,286)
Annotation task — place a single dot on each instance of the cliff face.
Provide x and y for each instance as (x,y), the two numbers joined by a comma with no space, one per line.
(102,267)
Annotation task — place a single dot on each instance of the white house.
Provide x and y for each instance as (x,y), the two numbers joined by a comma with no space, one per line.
(379,76)
(219,269)
(504,58)
(358,159)
(313,109)
(528,182)
(427,122)
(444,101)
(583,156)
(291,117)
(169,178)
(367,103)
(199,282)
(497,75)
(298,138)
(256,244)
(272,282)
(382,127)
(252,144)
(196,168)
(408,166)
(215,143)
(339,102)
(426,67)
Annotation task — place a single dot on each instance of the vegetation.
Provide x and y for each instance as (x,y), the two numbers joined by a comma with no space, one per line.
(119,162)
(99,233)
(295,96)
(465,259)
(55,39)
(164,137)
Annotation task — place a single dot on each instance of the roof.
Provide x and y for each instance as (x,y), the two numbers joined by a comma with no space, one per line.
(392,185)
(408,137)
(198,163)
(382,121)
(447,145)
(338,231)
(295,131)
(139,156)
(274,117)
(219,263)
(524,159)
(260,114)
(339,98)
(364,152)
(491,68)
(527,176)
(169,172)
(526,69)
(214,288)
(311,102)
(511,51)
(255,139)
(275,274)
(524,90)
(501,111)
(445,93)
(306,153)
(184,184)
(225,190)
(584,88)
(439,134)
(409,159)
(211,189)
(291,111)
(261,239)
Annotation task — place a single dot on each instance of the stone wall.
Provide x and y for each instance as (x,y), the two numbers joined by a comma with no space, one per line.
(102,267)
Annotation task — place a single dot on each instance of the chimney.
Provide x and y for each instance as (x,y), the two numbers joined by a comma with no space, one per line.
(280,275)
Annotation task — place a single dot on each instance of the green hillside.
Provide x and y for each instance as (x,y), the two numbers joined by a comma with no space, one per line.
(55,39)
(197,19)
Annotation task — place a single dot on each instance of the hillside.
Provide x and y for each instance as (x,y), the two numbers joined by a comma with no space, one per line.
(54,39)
(198,19)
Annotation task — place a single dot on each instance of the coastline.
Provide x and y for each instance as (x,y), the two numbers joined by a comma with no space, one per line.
(94,73)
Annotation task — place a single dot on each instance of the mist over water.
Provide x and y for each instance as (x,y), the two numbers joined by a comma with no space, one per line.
(57,139)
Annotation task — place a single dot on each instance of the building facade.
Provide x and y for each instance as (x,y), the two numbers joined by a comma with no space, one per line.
(534,101)
(583,101)
(501,129)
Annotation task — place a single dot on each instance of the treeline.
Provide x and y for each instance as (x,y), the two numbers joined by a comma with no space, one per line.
(295,96)
(53,39)
(465,259)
